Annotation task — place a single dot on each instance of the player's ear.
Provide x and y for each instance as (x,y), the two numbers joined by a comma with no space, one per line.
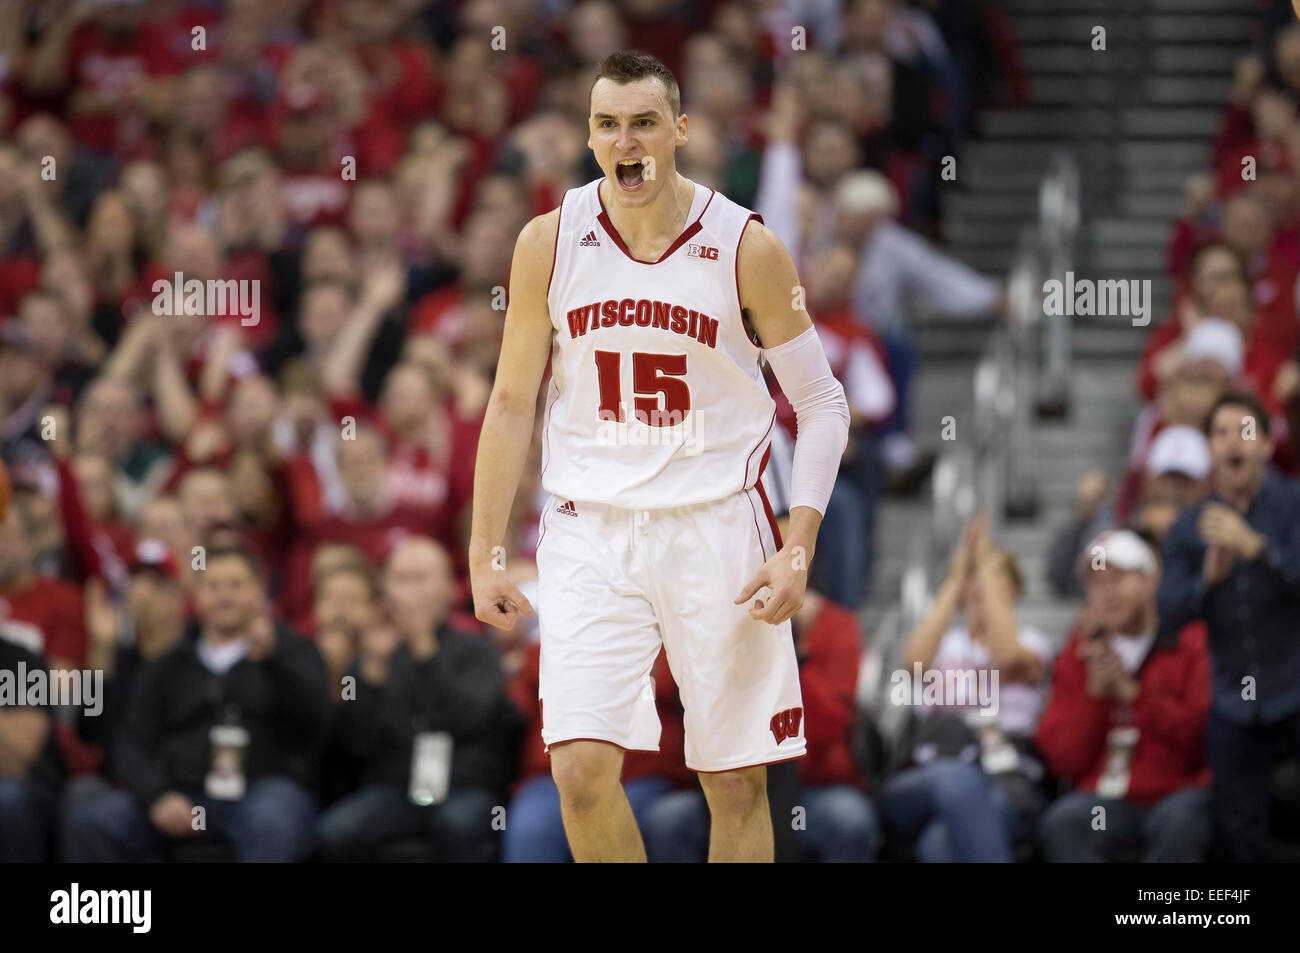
(681,137)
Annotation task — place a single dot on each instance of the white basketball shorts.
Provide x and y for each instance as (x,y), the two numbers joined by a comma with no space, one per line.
(616,584)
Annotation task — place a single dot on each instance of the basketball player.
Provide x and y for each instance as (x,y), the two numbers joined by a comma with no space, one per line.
(655,299)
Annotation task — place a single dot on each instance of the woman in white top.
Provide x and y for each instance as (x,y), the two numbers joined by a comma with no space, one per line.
(971,791)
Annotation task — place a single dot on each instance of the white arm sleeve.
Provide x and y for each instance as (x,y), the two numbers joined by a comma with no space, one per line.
(822,413)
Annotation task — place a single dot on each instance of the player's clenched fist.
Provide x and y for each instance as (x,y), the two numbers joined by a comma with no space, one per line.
(786,575)
(497,601)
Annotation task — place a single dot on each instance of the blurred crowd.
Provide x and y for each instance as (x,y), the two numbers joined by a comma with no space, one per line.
(247,514)
(1165,724)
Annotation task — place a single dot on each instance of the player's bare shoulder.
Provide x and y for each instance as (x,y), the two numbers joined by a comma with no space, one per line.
(770,297)
(534,256)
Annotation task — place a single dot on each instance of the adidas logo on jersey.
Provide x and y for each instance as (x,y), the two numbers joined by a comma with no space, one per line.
(567,508)
(590,239)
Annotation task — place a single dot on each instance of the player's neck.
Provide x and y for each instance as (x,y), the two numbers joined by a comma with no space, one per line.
(649,229)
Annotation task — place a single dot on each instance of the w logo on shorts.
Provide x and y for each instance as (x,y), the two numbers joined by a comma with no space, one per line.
(785,724)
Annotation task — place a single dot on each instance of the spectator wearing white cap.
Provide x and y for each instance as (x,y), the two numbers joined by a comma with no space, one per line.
(1176,477)
(1126,721)
(1218,341)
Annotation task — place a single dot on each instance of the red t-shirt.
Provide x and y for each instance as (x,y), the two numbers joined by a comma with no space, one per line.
(828,679)
(47,618)
(109,66)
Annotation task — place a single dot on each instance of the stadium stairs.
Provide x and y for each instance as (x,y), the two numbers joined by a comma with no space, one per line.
(1138,118)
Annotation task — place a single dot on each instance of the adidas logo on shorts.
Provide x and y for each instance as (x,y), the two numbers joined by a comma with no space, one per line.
(590,239)
(567,508)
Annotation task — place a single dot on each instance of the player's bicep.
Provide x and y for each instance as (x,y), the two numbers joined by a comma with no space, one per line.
(526,342)
(770,293)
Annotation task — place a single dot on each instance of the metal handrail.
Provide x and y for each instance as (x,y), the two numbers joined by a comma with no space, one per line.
(993,468)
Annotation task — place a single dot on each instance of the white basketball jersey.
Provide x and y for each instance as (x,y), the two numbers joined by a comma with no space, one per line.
(656,397)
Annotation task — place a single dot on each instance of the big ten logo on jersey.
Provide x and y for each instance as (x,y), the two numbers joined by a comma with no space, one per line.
(785,724)
(702,251)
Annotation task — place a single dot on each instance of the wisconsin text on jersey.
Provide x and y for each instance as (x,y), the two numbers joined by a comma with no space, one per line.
(646,314)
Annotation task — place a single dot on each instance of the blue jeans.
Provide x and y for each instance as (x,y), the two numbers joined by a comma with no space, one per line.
(272,823)
(953,810)
(843,560)
(27,811)
(1175,830)
(535,829)
(841,826)
(460,828)
(901,351)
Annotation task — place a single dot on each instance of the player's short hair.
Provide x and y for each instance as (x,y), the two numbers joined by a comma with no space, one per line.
(628,66)
(1238,398)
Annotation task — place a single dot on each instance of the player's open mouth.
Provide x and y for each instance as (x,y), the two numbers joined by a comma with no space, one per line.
(631,174)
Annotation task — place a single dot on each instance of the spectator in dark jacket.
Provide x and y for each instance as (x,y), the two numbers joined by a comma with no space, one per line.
(121,642)
(29,767)
(221,734)
(432,721)
(1126,721)
(1234,562)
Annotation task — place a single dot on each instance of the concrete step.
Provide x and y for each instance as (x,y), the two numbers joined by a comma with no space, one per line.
(1059,122)
(1217,28)
(1018,206)
(1213,59)
(1171,156)
(1164,207)
(1128,231)
(1105,90)
(1210,26)
(1110,259)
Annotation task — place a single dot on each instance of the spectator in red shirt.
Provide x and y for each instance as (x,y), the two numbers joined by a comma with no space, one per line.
(1212,263)
(400,83)
(114,66)
(312,188)
(41,614)
(1126,721)
(366,515)
(31,225)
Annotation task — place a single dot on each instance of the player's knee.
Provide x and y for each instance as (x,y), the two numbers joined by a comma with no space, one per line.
(585,773)
(736,793)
